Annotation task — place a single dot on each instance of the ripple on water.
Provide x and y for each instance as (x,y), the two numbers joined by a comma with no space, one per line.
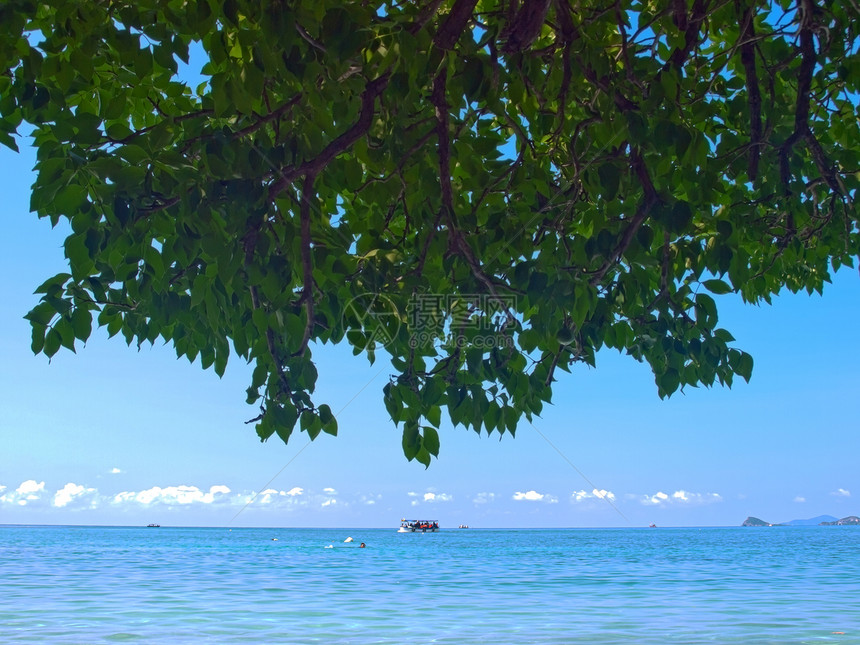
(71,585)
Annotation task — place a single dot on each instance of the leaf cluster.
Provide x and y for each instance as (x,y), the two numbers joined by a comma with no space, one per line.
(488,191)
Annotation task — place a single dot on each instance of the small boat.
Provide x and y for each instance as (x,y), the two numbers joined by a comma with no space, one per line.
(652,525)
(463,526)
(153,526)
(418,526)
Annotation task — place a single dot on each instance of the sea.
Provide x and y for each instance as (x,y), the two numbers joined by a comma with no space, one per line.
(85,584)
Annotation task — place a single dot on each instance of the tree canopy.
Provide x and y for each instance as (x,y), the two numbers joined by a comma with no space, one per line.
(488,191)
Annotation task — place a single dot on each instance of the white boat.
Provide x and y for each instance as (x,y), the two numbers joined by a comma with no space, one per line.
(418,526)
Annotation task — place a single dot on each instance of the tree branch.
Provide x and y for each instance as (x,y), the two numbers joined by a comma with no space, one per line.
(691,33)
(649,199)
(526,26)
(454,24)
(458,241)
(272,116)
(343,142)
(307,260)
(427,12)
(747,47)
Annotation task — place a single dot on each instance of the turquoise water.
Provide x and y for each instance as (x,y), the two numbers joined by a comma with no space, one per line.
(215,585)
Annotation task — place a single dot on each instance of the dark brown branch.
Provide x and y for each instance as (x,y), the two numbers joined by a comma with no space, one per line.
(526,26)
(565,33)
(691,33)
(457,241)
(649,199)
(440,102)
(309,39)
(551,371)
(804,85)
(747,47)
(823,163)
(158,206)
(272,116)
(249,245)
(454,24)
(427,12)
(172,119)
(343,142)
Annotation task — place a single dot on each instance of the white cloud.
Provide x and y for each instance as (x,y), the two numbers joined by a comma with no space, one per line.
(329,502)
(269,495)
(272,496)
(28,491)
(30,487)
(437,497)
(681,497)
(75,493)
(841,492)
(182,495)
(115,471)
(430,497)
(484,498)
(581,495)
(329,491)
(658,498)
(534,496)
(799,499)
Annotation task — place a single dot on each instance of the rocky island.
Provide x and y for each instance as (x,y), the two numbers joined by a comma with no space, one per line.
(851,520)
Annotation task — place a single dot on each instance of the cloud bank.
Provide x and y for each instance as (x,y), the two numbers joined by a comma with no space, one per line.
(680,497)
(582,495)
(29,491)
(534,496)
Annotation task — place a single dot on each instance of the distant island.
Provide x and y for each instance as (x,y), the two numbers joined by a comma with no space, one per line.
(821,520)
(851,520)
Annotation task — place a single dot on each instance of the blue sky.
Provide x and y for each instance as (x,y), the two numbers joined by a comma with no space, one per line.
(112,435)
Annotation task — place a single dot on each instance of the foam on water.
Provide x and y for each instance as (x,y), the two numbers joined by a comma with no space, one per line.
(191,585)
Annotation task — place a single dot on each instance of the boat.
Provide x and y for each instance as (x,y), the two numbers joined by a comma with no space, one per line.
(153,526)
(418,526)
(652,525)
(463,526)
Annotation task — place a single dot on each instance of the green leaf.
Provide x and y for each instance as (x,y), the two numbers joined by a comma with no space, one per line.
(411,441)
(717,286)
(37,337)
(610,178)
(589,194)
(431,441)
(82,323)
(52,342)
(669,381)
(69,199)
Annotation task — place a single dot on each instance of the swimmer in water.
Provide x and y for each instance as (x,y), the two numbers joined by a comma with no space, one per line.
(362,545)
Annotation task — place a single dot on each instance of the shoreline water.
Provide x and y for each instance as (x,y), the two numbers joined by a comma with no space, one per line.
(236,584)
